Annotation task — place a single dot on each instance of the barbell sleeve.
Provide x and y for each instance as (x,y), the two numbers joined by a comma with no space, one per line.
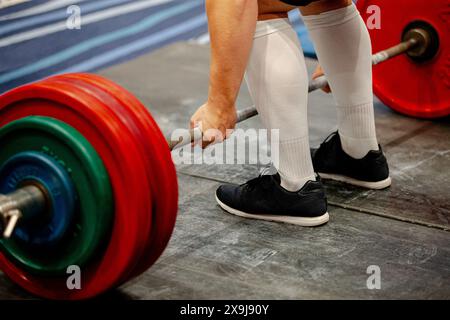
(25,202)
(394,51)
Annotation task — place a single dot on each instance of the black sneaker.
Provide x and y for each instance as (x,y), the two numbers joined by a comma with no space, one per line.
(263,198)
(331,162)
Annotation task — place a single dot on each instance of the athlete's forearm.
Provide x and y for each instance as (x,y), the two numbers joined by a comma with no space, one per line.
(231,26)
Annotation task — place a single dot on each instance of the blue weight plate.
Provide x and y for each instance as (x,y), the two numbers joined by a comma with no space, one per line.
(37,168)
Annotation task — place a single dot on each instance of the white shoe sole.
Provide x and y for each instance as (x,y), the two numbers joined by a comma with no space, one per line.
(300,221)
(383,184)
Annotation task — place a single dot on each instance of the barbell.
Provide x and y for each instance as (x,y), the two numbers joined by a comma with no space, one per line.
(87,179)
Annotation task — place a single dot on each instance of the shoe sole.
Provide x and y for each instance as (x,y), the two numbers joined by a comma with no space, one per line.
(378,185)
(300,221)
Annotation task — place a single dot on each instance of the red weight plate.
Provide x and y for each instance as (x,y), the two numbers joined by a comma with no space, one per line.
(114,143)
(165,187)
(104,98)
(416,89)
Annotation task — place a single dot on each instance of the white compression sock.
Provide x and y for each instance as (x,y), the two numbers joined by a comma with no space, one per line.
(278,83)
(343,47)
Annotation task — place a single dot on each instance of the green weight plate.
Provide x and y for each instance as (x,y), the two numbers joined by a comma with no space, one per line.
(94,215)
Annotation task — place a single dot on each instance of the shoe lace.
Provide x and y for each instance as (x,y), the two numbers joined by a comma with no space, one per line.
(267,170)
(250,185)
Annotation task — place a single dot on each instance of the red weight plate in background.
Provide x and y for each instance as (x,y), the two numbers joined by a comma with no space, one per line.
(415,89)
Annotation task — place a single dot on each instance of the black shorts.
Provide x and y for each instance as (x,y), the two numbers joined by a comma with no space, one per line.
(299,3)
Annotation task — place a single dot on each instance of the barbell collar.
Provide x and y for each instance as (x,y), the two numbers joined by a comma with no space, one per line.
(22,204)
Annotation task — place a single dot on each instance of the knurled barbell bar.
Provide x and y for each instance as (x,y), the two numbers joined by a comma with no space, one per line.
(88,178)
(418,42)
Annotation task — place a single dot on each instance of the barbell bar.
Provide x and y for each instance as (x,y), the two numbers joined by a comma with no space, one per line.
(415,39)
(27,201)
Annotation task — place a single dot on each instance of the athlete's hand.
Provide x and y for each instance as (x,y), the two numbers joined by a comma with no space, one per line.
(319,72)
(216,122)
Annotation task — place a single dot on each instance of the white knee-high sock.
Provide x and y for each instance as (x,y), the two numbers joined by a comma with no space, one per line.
(344,50)
(278,83)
